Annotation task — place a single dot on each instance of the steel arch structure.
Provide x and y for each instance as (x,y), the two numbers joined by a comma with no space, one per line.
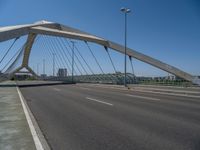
(56,29)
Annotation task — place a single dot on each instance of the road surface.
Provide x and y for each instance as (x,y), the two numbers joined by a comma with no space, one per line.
(81,117)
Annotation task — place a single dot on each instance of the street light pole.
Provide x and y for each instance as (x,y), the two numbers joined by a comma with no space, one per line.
(73,42)
(38,69)
(54,64)
(125,11)
(43,66)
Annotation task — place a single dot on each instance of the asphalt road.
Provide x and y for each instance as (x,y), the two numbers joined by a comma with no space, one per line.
(81,117)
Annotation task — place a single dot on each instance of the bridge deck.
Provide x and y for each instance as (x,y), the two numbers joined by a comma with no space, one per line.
(84,117)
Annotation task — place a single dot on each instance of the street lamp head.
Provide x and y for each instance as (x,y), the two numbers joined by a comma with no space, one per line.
(125,10)
(128,10)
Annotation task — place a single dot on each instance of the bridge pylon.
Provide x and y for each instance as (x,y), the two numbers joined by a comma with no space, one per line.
(27,50)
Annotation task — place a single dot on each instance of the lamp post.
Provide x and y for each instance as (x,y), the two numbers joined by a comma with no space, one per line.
(43,66)
(73,42)
(38,69)
(54,64)
(125,11)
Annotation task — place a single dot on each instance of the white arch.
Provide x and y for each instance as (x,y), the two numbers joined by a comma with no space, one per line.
(55,29)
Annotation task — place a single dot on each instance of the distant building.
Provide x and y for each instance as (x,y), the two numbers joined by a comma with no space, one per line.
(62,72)
(43,75)
(170,77)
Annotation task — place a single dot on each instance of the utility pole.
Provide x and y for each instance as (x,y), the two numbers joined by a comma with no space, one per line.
(125,11)
(54,64)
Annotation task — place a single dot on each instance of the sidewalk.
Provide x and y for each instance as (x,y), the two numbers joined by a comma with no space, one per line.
(15,133)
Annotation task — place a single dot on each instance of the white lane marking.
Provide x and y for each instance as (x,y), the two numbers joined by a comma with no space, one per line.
(56,89)
(93,99)
(36,139)
(143,97)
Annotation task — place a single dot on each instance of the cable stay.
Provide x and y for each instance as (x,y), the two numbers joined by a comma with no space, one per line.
(95,76)
(116,77)
(69,55)
(9,49)
(64,54)
(51,50)
(16,59)
(15,55)
(46,48)
(75,64)
(57,51)
(60,63)
(95,59)
(81,57)
(46,53)
(106,48)
(65,47)
(130,58)
(60,40)
(56,47)
(131,62)
(12,58)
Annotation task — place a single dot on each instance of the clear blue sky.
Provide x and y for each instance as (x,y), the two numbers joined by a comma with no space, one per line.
(168,30)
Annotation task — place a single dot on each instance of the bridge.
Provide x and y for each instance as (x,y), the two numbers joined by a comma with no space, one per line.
(75,102)
(59,30)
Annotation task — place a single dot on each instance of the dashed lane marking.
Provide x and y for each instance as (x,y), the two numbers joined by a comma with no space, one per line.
(96,100)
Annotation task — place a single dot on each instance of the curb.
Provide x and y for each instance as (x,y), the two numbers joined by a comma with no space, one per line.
(38,137)
(149,91)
